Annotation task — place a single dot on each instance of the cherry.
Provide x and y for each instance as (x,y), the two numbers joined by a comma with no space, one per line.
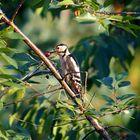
(47,53)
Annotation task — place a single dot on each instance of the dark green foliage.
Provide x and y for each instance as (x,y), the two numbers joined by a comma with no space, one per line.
(124,83)
(108,81)
(126,96)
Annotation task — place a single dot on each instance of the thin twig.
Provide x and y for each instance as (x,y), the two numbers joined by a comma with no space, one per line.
(119,111)
(17,9)
(85,84)
(39,125)
(91,100)
(118,13)
(31,97)
(35,73)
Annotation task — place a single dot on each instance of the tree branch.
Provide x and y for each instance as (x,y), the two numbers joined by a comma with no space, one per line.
(99,128)
(56,74)
(17,9)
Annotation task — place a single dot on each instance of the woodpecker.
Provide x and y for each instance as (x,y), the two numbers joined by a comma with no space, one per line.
(70,69)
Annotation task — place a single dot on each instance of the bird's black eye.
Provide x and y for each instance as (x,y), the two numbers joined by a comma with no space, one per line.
(57,47)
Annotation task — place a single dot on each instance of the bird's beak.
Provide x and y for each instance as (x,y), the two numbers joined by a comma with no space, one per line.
(53,51)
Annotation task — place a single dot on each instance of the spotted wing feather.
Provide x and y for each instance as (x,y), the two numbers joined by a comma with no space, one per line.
(72,73)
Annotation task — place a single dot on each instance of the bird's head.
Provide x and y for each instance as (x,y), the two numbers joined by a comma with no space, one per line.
(62,49)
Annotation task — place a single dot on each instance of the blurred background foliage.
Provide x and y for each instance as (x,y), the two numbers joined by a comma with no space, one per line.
(106,46)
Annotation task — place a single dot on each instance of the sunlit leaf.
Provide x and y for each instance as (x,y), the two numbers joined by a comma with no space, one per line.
(66,2)
(2,43)
(7,76)
(3,135)
(86,18)
(12,90)
(115,18)
(12,118)
(20,93)
(64,105)
(9,60)
(8,50)
(93,3)
(10,83)
(105,23)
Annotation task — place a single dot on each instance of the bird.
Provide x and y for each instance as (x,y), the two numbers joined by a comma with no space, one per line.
(70,69)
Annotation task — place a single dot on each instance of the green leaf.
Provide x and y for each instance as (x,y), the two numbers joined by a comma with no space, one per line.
(11,34)
(3,135)
(65,2)
(92,112)
(1,105)
(108,2)
(34,2)
(126,28)
(64,105)
(92,3)
(108,99)
(126,96)
(133,26)
(120,76)
(86,18)
(105,23)
(8,50)
(20,93)
(105,108)
(18,135)
(124,84)
(9,83)
(2,43)
(45,7)
(115,18)
(7,76)
(9,60)
(12,119)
